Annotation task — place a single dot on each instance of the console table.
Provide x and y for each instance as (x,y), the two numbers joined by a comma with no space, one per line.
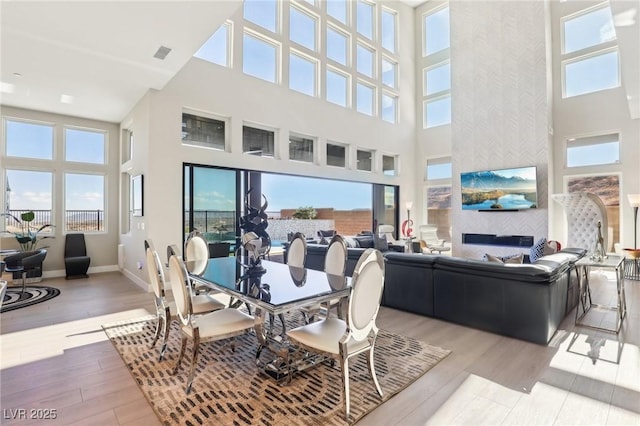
(585,304)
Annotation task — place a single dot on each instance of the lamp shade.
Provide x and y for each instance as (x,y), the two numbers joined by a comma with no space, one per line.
(634,200)
(409,204)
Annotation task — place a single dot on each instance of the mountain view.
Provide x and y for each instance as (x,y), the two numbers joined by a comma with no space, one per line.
(506,189)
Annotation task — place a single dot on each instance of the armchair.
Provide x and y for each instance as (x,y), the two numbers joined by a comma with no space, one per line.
(429,241)
(387,231)
(76,261)
(25,264)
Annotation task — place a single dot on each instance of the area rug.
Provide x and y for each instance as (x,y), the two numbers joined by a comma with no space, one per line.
(15,299)
(229,390)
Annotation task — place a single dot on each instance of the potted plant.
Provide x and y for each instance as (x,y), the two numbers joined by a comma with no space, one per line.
(28,237)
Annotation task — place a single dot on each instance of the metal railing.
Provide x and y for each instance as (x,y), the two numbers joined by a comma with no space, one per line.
(74,220)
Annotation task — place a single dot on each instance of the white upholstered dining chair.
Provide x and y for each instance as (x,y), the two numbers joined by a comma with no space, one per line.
(297,251)
(196,253)
(165,309)
(342,339)
(217,325)
(335,265)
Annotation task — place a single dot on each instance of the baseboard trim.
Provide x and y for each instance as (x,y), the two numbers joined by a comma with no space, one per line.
(99,269)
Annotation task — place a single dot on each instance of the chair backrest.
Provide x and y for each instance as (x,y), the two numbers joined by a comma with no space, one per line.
(366,293)
(297,251)
(583,211)
(335,262)
(172,249)
(74,245)
(155,272)
(196,254)
(387,231)
(429,234)
(148,243)
(180,288)
(3,290)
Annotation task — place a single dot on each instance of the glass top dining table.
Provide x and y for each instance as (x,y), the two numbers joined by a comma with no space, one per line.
(275,287)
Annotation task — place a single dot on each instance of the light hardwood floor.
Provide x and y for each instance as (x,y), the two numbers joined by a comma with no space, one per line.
(56,356)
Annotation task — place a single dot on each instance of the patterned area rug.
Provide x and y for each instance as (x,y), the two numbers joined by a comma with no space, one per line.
(15,299)
(229,390)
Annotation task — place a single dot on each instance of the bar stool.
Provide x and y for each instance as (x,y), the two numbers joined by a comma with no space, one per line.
(23,273)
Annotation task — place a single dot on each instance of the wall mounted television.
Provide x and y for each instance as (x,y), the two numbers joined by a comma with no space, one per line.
(500,190)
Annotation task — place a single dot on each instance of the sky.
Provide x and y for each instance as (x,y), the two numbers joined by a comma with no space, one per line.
(32,189)
(293,191)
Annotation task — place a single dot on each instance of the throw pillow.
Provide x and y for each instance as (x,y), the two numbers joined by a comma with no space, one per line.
(537,250)
(491,258)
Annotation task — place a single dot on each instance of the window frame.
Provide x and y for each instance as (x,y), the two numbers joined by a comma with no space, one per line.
(394,99)
(228,27)
(591,140)
(348,43)
(264,129)
(5,122)
(394,157)
(425,116)
(372,159)
(348,88)
(314,145)
(299,8)
(210,116)
(268,41)
(345,147)
(316,67)
(105,146)
(423,24)
(385,10)
(586,57)
(105,198)
(374,106)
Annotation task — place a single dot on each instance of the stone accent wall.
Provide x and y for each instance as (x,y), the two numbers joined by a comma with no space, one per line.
(501,110)
(344,222)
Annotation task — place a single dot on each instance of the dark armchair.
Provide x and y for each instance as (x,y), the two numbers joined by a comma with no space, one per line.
(25,264)
(76,261)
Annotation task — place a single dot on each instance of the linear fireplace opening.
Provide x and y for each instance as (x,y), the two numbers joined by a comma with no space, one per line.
(498,240)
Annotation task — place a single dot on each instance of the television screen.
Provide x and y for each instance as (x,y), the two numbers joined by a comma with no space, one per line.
(506,189)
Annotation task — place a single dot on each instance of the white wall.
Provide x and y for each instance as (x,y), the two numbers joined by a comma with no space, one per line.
(596,113)
(228,93)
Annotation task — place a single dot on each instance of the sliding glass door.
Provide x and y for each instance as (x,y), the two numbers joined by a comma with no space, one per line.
(216,197)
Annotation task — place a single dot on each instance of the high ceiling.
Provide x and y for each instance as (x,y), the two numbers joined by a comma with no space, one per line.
(94,59)
(99,53)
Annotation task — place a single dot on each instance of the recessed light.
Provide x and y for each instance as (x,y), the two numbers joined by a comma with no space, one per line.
(66,99)
(17,74)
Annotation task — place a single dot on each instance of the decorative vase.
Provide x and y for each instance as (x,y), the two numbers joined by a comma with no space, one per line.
(599,252)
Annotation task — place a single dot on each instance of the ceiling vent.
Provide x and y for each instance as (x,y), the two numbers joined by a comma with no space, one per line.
(162,52)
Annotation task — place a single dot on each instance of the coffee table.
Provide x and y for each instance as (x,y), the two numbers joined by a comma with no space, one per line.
(585,304)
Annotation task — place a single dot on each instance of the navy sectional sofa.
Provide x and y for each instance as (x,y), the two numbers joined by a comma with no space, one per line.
(525,301)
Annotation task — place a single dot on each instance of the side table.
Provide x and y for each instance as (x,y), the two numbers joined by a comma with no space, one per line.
(583,269)
(632,268)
